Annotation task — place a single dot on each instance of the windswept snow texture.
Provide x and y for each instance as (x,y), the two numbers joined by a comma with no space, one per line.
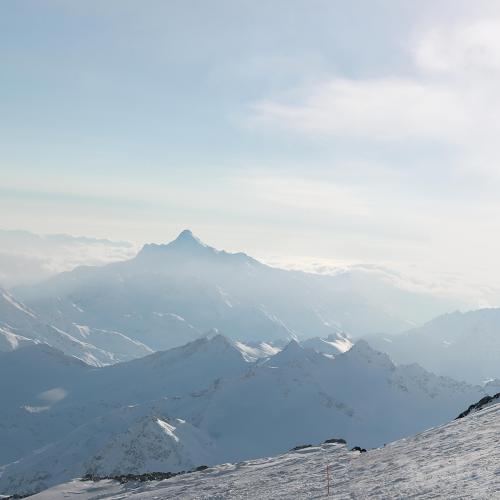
(172,293)
(465,346)
(459,460)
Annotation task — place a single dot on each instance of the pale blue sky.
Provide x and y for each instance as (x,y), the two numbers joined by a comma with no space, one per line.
(351,130)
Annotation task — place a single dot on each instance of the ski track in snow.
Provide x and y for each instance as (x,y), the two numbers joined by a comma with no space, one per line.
(459,460)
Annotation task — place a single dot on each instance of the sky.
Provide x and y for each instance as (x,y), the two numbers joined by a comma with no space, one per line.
(300,131)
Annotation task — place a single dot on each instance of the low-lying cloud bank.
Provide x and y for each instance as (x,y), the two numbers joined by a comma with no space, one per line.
(27,258)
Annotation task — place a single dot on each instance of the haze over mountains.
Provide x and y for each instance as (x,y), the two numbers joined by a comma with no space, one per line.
(170,294)
(465,346)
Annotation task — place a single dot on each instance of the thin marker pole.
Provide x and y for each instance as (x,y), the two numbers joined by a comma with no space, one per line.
(328,479)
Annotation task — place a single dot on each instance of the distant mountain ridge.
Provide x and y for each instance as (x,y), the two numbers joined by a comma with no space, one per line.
(465,346)
(172,293)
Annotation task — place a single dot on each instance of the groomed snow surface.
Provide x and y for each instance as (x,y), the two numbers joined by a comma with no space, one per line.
(458,460)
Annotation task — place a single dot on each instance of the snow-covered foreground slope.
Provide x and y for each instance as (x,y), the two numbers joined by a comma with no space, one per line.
(458,460)
(465,346)
(169,294)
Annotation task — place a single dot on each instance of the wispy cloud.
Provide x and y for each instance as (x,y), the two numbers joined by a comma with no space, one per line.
(383,109)
(450,96)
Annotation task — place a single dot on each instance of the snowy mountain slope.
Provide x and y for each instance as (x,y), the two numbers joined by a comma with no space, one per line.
(153,444)
(256,351)
(457,460)
(169,294)
(10,341)
(28,422)
(465,346)
(33,381)
(333,344)
(17,319)
(177,372)
(134,439)
(121,346)
(299,395)
(26,372)
(19,325)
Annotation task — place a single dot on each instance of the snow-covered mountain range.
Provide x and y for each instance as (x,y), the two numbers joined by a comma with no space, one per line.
(457,460)
(186,355)
(170,294)
(204,403)
(465,346)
